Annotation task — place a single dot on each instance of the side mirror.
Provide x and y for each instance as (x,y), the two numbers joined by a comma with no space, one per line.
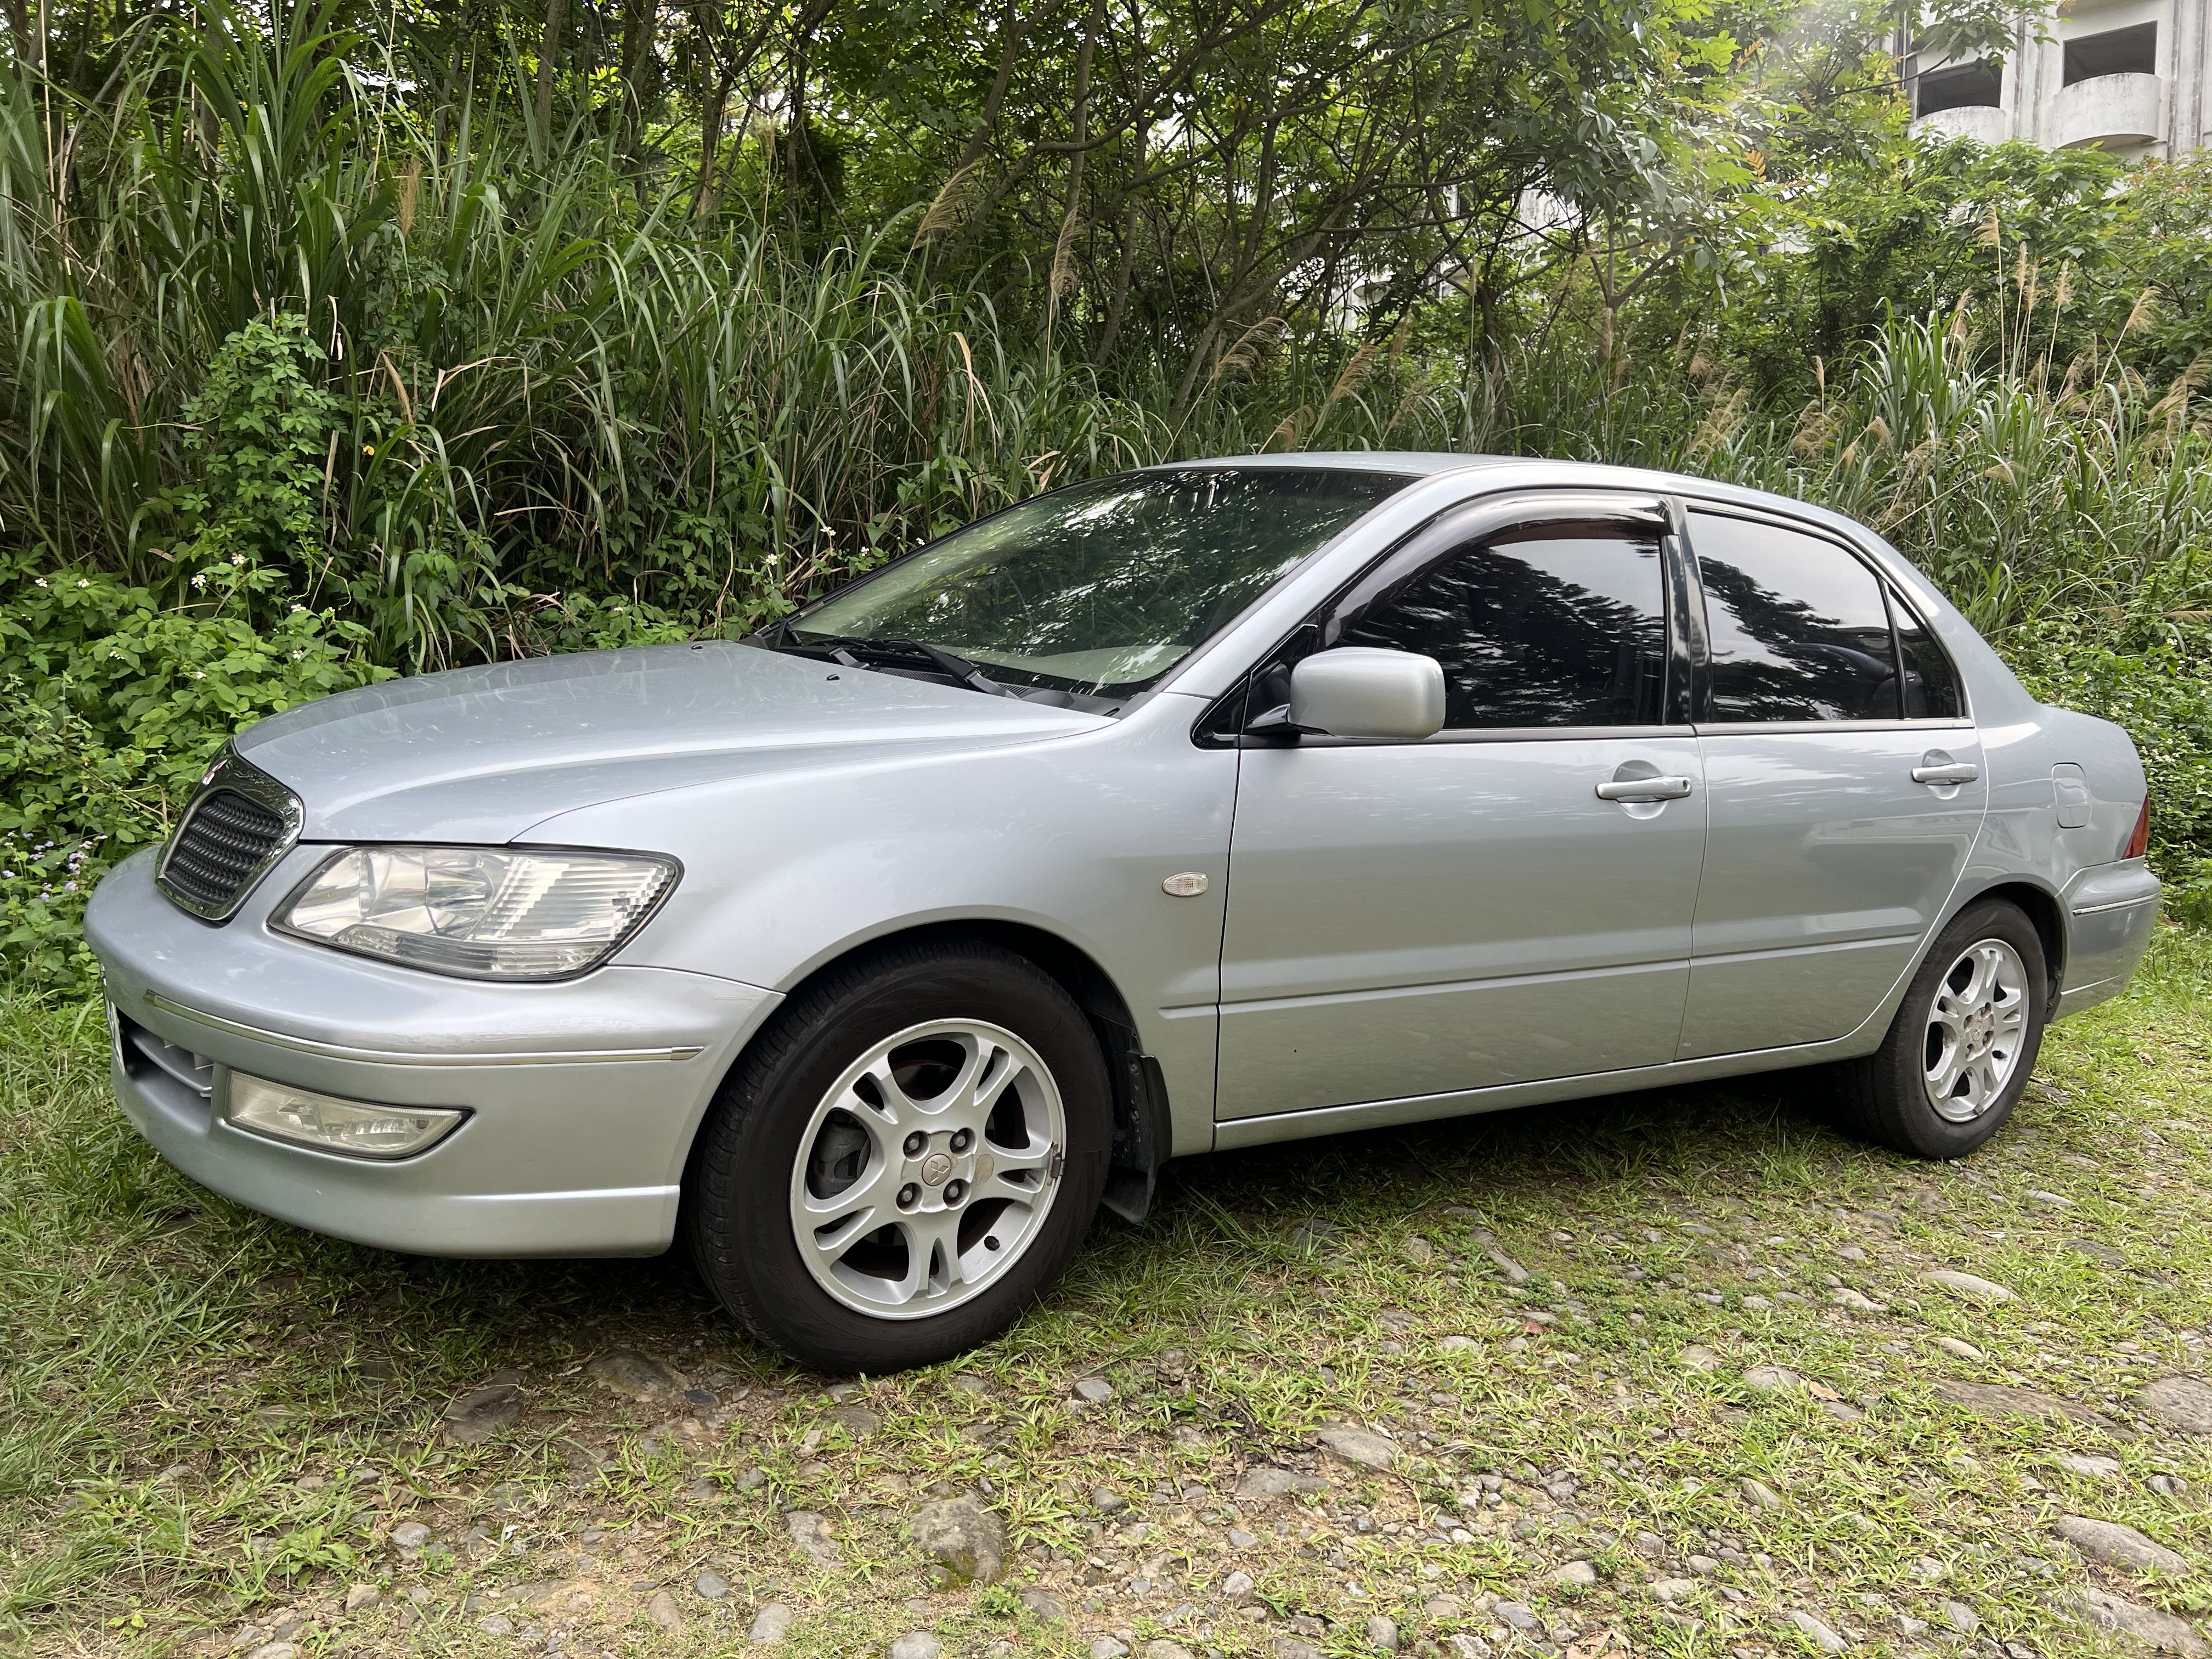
(1356,692)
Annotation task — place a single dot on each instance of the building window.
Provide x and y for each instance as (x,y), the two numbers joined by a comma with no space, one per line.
(2116,52)
(1965,86)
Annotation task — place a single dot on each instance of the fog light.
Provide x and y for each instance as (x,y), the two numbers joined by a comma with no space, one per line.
(330,1125)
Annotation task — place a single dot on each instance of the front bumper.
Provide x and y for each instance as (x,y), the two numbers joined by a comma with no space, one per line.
(583,1096)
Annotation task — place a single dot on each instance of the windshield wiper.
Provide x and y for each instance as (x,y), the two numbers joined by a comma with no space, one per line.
(780,636)
(946,662)
(852,652)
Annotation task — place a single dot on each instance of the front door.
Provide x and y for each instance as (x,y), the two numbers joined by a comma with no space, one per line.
(1843,784)
(1411,919)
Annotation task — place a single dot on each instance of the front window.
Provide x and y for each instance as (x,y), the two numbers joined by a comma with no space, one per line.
(1098,590)
(1549,625)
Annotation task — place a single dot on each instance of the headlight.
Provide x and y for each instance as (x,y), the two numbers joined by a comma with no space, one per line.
(479,912)
(330,1125)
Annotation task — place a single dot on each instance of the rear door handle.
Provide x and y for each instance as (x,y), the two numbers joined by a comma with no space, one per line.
(1958,772)
(1643,789)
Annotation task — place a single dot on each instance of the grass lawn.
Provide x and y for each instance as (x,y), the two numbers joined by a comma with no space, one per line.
(1660,1376)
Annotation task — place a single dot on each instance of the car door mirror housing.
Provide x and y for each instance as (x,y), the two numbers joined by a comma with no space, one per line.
(1355,691)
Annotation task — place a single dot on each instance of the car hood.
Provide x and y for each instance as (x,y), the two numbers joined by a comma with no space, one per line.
(481,754)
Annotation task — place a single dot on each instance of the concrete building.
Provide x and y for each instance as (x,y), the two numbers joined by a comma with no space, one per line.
(2127,75)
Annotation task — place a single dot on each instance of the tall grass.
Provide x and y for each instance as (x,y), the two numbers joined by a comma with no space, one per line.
(527,378)
(2025,501)
(535,380)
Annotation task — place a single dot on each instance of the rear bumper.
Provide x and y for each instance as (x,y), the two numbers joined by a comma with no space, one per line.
(582,1097)
(2111,911)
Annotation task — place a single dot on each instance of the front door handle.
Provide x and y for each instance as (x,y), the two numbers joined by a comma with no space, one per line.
(1643,789)
(1956,772)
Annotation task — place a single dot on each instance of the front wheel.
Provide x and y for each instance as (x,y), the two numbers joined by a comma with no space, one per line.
(1964,1039)
(904,1160)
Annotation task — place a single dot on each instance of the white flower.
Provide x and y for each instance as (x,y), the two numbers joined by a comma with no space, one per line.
(42,582)
(238,558)
(297,609)
(81,582)
(199,581)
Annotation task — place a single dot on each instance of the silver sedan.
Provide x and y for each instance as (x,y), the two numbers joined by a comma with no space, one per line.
(1191,809)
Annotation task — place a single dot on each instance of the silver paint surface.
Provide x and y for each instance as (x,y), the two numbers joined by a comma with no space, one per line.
(1826,865)
(1388,932)
(1357,693)
(1418,918)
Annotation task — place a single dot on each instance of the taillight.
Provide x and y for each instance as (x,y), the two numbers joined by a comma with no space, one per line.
(2139,838)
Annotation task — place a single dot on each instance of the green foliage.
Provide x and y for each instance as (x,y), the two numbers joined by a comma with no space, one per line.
(261,426)
(579,622)
(997,1602)
(119,707)
(2159,691)
(2062,245)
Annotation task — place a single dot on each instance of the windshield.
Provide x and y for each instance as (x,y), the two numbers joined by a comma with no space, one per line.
(1101,588)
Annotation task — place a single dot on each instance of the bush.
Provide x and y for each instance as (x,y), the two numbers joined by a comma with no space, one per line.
(258,434)
(2159,691)
(118,707)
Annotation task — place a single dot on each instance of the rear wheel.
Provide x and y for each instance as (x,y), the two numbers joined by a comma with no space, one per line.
(901,1163)
(1962,1045)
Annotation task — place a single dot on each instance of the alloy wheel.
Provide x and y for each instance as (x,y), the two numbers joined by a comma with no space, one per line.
(1977,1027)
(927,1169)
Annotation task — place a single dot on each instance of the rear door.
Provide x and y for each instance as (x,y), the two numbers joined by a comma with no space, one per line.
(1844,786)
(1421,918)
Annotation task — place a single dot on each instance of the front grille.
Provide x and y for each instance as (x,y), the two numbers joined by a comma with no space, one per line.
(241,822)
(220,847)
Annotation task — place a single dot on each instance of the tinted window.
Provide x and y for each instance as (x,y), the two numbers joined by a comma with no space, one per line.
(1560,624)
(1798,626)
(1931,684)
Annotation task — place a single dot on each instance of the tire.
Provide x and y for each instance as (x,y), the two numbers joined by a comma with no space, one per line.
(832,1203)
(1910,1094)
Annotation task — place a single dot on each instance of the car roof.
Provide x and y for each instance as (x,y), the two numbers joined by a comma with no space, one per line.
(1418,463)
(1545,471)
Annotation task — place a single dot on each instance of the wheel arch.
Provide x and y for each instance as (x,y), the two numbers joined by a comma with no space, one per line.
(2044,912)
(1141,1119)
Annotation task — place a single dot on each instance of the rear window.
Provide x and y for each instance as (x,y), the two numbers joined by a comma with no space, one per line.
(1799,630)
